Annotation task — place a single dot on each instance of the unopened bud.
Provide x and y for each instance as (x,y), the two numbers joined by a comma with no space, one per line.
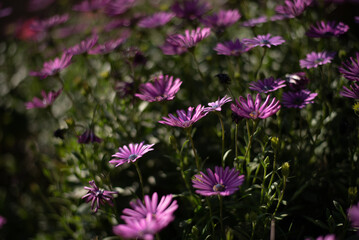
(70,122)
(274,142)
(285,169)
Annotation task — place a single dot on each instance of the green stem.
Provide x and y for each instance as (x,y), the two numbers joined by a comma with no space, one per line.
(222,126)
(193,149)
(274,168)
(236,145)
(211,215)
(263,183)
(260,63)
(221,215)
(197,65)
(63,89)
(281,195)
(247,154)
(140,177)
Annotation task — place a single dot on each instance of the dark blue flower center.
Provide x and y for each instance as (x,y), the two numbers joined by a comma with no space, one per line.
(132,157)
(318,60)
(99,193)
(265,41)
(266,87)
(254,114)
(219,188)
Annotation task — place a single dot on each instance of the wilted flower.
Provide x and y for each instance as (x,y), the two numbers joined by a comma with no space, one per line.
(254,21)
(323,29)
(297,81)
(90,5)
(353,93)
(190,39)
(45,25)
(156,20)
(117,7)
(230,48)
(298,99)
(83,46)
(222,182)
(190,9)
(47,100)
(267,85)
(350,68)
(109,46)
(314,59)
(222,19)
(185,119)
(88,137)
(130,153)
(246,108)
(53,67)
(293,8)
(97,196)
(353,215)
(163,89)
(217,105)
(264,41)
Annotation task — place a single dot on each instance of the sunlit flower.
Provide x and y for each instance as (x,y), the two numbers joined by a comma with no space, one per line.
(88,137)
(323,29)
(247,108)
(230,48)
(222,182)
(297,81)
(185,119)
(162,89)
(217,105)
(44,25)
(350,68)
(267,85)
(90,5)
(222,19)
(298,99)
(264,41)
(190,9)
(83,46)
(189,39)
(314,59)
(53,67)
(130,153)
(47,100)
(156,20)
(353,215)
(97,196)
(293,8)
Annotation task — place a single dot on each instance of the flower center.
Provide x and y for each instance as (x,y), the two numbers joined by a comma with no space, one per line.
(265,87)
(214,106)
(318,60)
(254,114)
(219,188)
(99,192)
(132,157)
(265,41)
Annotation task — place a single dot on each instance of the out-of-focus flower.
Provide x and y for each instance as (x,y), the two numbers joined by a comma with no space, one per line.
(217,105)
(222,182)
(278,17)
(327,237)
(169,49)
(53,67)
(353,215)
(117,7)
(254,21)
(189,39)
(90,5)
(117,23)
(264,41)
(230,48)
(323,29)
(191,9)
(70,30)
(185,119)
(37,5)
(83,46)
(247,108)
(156,20)
(353,93)
(47,100)
(267,85)
(88,137)
(223,78)
(124,89)
(293,8)
(4,12)
(2,221)
(135,56)
(46,24)
(25,32)
(98,196)
(314,59)
(162,89)
(130,153)
(297,81)
(350,68)
(356,19)
(222,19)
(109,46)
(298,99)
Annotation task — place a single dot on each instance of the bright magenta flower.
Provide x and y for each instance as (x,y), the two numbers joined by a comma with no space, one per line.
(83,46)
(109,46)
(314,59)
(130,153)
(97,196)
(217,105)
(47,100)
(189,39)
(53,67)
(323,29)
(185,119)
(264,41)
(230,48)
(350,68)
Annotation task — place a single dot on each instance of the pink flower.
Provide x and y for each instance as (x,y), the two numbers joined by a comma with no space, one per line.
(47,100)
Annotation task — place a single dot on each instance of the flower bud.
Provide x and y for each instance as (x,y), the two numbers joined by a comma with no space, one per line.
(274,142)
(285,169)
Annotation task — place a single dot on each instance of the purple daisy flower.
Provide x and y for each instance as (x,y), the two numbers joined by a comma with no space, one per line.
(353,93)
(293,8)
(297,81)
(222,182)
(169,49)
(83,46)
(2,221)
(156,20)
(323,29)
(189,39)
(267,85)
(255,21)
(47,100)
(53,67)
(109,46)
(190,9)
(185,119)
(97,196)
(247,108)
(314,59)
(46,24)
(117,7)
(264,41)
(217,105)
(356,19)
(130,153)
(230,48)
(163,89)
(298,99)
(222,19)
(90,5)
(88,137)
(350,68)
(353,215)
